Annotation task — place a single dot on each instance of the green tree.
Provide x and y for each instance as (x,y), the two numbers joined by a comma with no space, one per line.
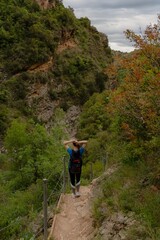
(32,151)
(94,117)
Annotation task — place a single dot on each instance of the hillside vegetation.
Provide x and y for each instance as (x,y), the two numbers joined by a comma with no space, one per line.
(51,61)
(47,57)
(124,122)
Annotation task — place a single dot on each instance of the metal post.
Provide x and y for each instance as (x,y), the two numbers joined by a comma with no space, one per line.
(64,175)
(45,207)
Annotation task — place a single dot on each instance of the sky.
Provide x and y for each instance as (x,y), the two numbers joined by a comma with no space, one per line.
(113,17)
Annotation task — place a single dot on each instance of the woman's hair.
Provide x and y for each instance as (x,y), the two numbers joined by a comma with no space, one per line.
(76,145)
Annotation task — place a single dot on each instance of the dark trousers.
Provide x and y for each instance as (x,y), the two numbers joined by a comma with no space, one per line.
(75,178)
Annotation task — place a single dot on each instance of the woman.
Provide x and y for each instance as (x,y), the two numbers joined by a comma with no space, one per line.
(75,154)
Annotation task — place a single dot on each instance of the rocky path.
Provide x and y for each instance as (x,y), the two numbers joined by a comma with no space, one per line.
(74,222)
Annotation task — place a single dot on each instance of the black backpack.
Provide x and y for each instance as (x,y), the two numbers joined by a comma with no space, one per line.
(75,162)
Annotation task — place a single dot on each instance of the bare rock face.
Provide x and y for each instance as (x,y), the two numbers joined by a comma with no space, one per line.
(43,107)
(71,120)
(117,225)
(46,4)
(39,101)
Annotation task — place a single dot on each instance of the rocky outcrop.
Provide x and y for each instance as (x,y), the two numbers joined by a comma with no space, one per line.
(74,219)
(71,120)
(41,67)
(119,227)
(39,101)
(45,4)
(43,108)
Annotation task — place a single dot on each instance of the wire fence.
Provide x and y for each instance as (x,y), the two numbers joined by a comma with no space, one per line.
(51,198)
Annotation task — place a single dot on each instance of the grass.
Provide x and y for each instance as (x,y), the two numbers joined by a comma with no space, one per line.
(124,191)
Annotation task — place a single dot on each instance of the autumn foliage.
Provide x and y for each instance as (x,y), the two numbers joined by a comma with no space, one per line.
(131,103)
(124,123)
(136,99)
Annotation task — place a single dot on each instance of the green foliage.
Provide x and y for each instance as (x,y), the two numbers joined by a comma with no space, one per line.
(29,148)
(26,31)
(3,119)
(94,118)
(3,95)
(16,131)
(147,208)
(92,170)
(32,154)
(23,25)
(85,22)
(124,123)
(77,72)
(121,192)
(66,18)
(98,212)
(16,206)
(30,37)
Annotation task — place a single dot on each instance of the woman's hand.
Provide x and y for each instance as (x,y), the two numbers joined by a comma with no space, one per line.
(75,141)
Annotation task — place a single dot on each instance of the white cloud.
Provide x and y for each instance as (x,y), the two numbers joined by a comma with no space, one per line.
(114,17)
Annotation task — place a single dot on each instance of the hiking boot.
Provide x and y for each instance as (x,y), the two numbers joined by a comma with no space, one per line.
(78,194)
(77,190)
(73,190)
(74,195)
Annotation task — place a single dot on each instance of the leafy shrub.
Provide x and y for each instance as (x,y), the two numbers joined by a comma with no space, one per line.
(26,26)
(92,170)
(4,119)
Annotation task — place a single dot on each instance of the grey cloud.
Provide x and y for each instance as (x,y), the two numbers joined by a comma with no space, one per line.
(114,17)
(112,4)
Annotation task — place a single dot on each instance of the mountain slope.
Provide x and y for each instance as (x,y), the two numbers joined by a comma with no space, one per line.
(49,59)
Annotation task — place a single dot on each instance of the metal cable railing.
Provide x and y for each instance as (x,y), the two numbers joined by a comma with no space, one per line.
(52,198)
(55,194)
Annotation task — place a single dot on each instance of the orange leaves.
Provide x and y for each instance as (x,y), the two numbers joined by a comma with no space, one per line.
(149,43)
(150,36)
(152,33)
(127,131)
(137,98)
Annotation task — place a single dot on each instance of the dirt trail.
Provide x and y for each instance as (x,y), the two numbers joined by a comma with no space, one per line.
(74,221)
